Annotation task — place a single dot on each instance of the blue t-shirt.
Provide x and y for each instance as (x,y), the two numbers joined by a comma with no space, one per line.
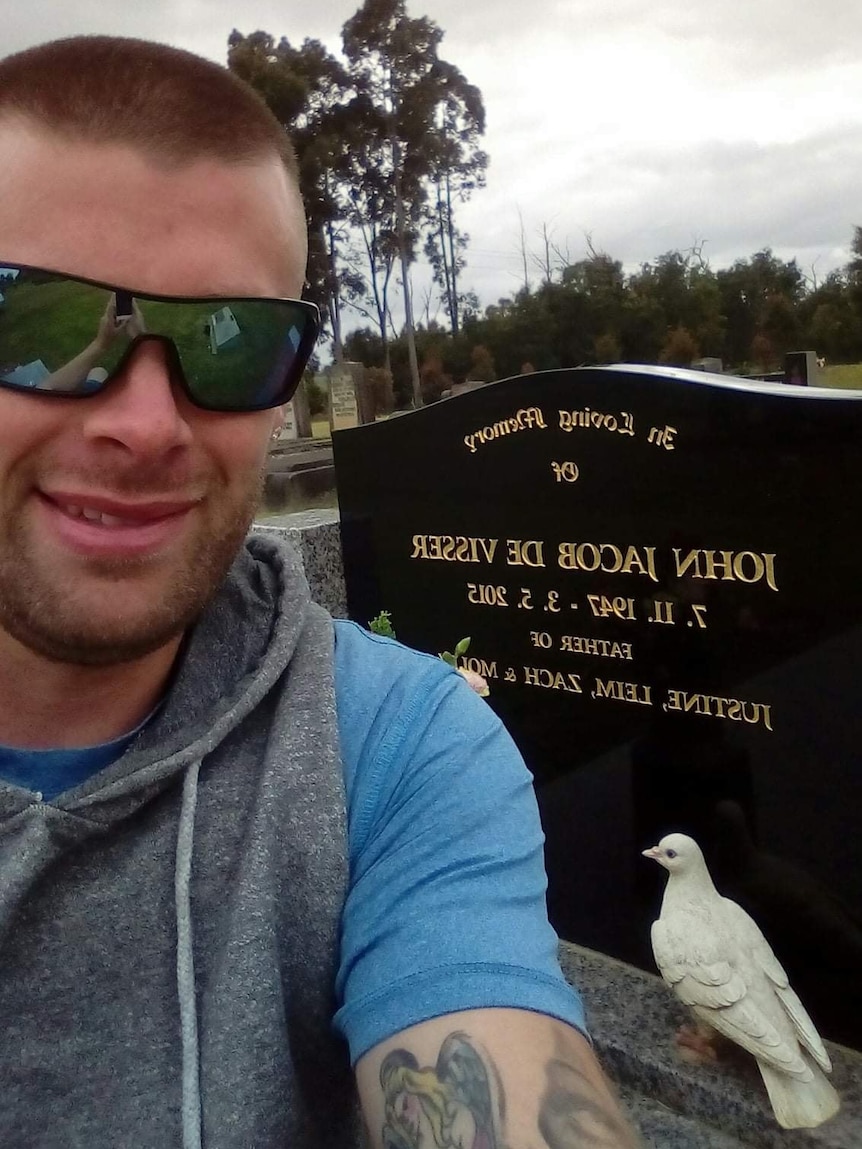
(446,904)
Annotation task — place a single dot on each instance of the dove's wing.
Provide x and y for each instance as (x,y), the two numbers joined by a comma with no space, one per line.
(746,928)
(707,980)
(700,979)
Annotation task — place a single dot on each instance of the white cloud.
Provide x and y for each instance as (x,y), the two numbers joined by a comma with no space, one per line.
(648,124)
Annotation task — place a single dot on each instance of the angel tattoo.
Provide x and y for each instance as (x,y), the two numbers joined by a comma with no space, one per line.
(447,1106)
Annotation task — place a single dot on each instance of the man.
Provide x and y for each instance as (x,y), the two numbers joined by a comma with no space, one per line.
(224,817)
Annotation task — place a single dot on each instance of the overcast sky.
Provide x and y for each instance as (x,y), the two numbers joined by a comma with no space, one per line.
(647,125)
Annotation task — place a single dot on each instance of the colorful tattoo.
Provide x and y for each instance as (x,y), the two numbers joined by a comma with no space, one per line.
(459,1103)
(449,1106)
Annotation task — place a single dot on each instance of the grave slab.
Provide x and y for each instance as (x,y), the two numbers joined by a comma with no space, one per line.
(659,572)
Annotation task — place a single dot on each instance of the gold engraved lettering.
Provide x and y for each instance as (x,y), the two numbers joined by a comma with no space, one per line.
(568,682)
(488,548)
(566,557)
(525,554)
(612,558)
(642,564)
(728,566)
(607,557)
(663,437)
(698,609)
(588,419)
(479,666)
(596,647)
(529,417)
(541,639)
(524,420)
(714,706)
(454,548)
(486,594)
(588,557)
(566,472)
(636,693)
(662,611)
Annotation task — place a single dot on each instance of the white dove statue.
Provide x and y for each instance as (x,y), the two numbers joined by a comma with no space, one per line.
(719,964)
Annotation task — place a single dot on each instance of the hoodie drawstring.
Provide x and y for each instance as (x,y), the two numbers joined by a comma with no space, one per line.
(186,964)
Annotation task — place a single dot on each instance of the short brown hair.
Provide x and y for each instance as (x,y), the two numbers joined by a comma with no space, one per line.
(165,101)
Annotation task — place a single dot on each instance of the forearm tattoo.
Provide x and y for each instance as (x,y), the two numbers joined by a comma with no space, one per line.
(459,1103)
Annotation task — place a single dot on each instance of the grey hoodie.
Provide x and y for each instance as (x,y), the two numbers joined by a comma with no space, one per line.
(169,930)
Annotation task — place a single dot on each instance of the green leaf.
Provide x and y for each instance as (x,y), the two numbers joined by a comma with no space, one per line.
(462,647)
(382,625)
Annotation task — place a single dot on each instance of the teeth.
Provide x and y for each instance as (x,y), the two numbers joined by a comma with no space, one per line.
(94,516)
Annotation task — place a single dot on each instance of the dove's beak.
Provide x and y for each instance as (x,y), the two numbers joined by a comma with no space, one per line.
(653,852)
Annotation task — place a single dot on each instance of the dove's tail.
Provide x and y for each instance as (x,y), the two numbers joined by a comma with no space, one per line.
(800,1104)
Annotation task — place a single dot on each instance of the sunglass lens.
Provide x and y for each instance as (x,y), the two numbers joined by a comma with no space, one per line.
(248,358)
(56,334)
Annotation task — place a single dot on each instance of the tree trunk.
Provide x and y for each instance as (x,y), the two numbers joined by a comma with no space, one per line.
(523,251)
(401,226)
(453,256)
(334,298)
(444,257)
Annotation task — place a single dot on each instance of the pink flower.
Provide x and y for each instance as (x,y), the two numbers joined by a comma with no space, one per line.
(476,682)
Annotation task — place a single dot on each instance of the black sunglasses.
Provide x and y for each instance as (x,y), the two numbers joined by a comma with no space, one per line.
(69,337)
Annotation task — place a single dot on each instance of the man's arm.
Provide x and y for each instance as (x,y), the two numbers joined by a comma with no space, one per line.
(490,1079)
(69,376)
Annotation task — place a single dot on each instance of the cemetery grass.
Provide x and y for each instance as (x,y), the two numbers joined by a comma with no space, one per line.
(845,375)
(325,501)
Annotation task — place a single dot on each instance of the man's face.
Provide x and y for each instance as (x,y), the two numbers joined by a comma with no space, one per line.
(120,513)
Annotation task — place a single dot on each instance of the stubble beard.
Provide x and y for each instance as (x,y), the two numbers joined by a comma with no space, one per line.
(57,625)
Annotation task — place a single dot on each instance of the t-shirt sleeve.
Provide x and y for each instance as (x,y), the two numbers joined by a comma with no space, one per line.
(446,904)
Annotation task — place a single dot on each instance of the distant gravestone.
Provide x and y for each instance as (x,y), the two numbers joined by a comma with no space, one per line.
(659,573)
(343,399)
(801,368)
(223,327)
(289,429)
(27,374)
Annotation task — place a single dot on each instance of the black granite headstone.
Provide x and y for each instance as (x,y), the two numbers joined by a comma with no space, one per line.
(660,574)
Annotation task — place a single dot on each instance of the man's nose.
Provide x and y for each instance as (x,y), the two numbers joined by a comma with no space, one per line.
(141,408)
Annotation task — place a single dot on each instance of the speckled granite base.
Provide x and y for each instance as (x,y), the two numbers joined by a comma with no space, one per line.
(633,1017)
(663,1128)
(318,536)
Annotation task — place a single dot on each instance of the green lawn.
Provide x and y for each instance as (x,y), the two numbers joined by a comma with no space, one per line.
(848,375)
